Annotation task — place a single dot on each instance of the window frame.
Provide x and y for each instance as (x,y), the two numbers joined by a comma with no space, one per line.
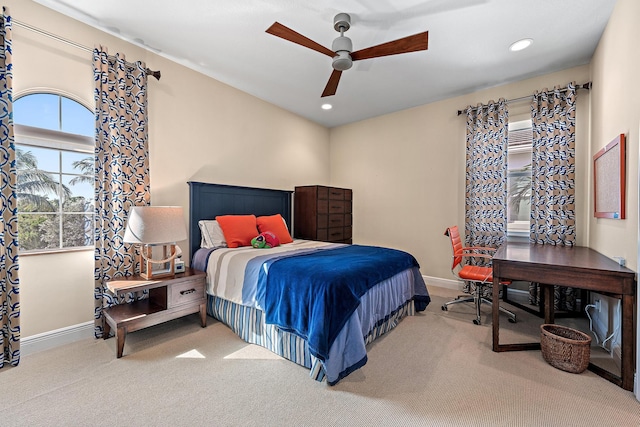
(31,136)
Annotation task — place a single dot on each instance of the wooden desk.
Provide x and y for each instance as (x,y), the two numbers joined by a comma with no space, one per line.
(578,267)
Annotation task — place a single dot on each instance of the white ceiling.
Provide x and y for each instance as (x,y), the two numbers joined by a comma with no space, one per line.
(468,45)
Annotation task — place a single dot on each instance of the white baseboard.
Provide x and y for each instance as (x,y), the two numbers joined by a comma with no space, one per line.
(443,283)
(518,295)
(55,338)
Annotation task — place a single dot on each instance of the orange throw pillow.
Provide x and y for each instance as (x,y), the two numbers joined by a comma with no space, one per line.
(276,225)
(238,230)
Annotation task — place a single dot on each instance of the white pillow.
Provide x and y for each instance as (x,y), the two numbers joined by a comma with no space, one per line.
(212,236)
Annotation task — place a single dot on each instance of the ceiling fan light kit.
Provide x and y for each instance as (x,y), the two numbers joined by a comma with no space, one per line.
(342,47)
(342,61)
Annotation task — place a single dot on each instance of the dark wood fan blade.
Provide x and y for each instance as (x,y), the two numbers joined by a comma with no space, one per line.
(332,84)
(279,30)
(405,45)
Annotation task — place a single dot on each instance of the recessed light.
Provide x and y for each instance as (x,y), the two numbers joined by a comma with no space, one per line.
(520,45)
(327,106)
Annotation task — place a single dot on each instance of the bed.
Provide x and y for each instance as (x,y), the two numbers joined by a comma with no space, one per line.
(270,297)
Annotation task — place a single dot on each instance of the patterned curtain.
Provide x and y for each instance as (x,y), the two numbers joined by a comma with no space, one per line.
(9,283)
(553,115)
(486,175)
(121,169)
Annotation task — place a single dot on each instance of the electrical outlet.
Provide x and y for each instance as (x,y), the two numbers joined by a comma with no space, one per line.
(620,260)
(598,305)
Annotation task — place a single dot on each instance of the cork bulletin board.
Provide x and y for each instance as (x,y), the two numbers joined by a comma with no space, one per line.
(609,180)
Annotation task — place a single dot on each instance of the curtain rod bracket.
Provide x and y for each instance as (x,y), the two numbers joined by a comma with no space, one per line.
(155,74)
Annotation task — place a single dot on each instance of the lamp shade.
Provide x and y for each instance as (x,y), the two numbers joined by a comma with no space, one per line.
(155,225)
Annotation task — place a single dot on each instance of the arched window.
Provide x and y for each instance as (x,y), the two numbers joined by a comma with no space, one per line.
(55,172)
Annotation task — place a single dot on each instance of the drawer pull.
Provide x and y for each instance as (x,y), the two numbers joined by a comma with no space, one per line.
(336,234)
(187,292)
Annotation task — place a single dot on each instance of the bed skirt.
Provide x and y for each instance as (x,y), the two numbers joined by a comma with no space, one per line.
(248,323)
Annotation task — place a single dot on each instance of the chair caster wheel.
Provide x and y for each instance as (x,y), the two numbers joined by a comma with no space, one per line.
(476,322)
(444,308)
(512,320)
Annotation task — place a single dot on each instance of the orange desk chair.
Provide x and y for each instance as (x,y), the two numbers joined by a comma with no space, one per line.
(477,276)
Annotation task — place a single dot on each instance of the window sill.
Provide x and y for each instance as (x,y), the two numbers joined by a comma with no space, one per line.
(518,235)
(56,251)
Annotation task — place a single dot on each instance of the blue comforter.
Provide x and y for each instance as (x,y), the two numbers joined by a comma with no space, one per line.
(314,294)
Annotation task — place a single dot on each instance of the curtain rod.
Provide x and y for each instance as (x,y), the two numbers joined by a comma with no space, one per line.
(582,86)
(155,74)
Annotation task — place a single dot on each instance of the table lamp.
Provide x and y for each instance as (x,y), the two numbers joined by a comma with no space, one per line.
(156,226)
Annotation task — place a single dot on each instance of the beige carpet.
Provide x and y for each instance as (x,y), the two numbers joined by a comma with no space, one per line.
(434,369)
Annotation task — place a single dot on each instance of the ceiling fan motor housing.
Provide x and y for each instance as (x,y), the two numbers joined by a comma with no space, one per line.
(342,46)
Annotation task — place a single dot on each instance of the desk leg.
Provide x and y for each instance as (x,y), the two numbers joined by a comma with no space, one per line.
(549,309)
(541,303)
(495,313)
(627,343)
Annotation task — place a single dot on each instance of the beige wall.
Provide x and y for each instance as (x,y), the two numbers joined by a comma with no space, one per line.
(219,134)
(407,169)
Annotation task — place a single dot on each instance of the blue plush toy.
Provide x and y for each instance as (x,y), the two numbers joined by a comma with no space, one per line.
(265,240)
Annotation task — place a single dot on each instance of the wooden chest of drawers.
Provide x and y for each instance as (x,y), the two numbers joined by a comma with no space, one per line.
(323,213)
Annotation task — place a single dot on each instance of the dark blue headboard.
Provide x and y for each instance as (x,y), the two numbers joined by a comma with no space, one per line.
(206,201)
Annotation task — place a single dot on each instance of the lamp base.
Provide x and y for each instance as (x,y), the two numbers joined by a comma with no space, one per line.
(151,269)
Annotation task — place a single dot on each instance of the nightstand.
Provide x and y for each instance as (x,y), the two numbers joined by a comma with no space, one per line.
(169,298)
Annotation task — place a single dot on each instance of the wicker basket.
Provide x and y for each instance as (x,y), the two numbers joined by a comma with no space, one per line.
(565,348)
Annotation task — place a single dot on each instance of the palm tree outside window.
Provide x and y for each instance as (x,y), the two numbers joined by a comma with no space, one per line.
(54,161)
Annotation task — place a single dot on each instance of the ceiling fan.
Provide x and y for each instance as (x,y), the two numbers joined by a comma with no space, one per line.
(341,48)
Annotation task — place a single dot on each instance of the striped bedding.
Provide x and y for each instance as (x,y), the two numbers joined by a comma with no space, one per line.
(229,269)
(231,278)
